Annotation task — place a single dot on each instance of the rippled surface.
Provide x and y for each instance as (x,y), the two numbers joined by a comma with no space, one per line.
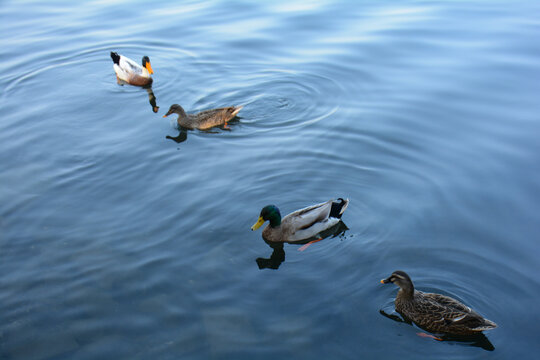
(116,242)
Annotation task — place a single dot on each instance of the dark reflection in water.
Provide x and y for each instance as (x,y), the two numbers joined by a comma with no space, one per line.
(181,137)
(275,260)
(183,133)
(151,97)
(479,340)
(278,253)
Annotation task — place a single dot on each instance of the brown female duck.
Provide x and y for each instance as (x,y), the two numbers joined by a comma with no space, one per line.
(435,313)
(205,119)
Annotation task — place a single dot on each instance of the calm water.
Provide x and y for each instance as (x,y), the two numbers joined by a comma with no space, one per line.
(117,242)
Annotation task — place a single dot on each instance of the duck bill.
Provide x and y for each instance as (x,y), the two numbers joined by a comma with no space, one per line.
(149,67)
(385,281)
(258,224)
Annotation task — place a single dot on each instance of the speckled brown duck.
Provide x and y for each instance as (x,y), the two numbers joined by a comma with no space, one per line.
(205,119)
(435,313)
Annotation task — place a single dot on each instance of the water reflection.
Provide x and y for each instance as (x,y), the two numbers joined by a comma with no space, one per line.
(275,260)
(183,133)
(478,340)
(151,97)
(181,137)
(278,251)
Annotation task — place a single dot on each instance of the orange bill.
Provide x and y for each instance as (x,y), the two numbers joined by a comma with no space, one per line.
(149,67)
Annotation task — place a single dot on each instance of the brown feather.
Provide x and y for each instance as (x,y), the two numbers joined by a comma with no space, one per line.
(209,118)
(138,80)
(438,313)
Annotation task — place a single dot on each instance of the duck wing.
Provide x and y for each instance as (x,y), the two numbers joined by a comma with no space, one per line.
(312,213)
(450,313)
(214,117)
(447,301)
(129,66)
(307,222)
(428,313)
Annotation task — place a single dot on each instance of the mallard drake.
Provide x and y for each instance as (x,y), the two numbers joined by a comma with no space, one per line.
(205,119)
(301,224)
(130,72)
(435,313)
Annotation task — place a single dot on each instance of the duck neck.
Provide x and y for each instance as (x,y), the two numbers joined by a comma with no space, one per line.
(275,220)
(406,292)
(181,113)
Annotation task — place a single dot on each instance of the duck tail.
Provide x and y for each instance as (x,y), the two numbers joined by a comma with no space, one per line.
(236,110)
(338,208)
(487,325)
(115,58)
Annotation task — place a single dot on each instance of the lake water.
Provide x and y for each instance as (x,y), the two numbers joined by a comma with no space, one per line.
(118,242)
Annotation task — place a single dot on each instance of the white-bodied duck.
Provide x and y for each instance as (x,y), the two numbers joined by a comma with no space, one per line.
(130,72)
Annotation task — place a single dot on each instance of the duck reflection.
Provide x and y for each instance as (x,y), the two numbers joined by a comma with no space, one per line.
(183,132)
(180,138)
(151,96)
(275,260)
(278,251)
(152,99)
(477,340)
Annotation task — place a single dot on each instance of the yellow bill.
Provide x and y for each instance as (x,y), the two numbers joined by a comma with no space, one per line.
(258,224)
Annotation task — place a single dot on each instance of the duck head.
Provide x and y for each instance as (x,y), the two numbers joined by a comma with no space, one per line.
(176,109)
(270,213)
(146,64)
(401,279)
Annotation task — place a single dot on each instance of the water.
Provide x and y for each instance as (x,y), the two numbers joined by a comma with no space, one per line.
(117,242)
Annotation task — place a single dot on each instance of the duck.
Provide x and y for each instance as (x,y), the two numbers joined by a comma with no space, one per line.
(205,119)
(435,313)
(130,72)
(301,224)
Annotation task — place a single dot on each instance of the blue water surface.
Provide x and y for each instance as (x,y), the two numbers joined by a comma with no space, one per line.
(123,237)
